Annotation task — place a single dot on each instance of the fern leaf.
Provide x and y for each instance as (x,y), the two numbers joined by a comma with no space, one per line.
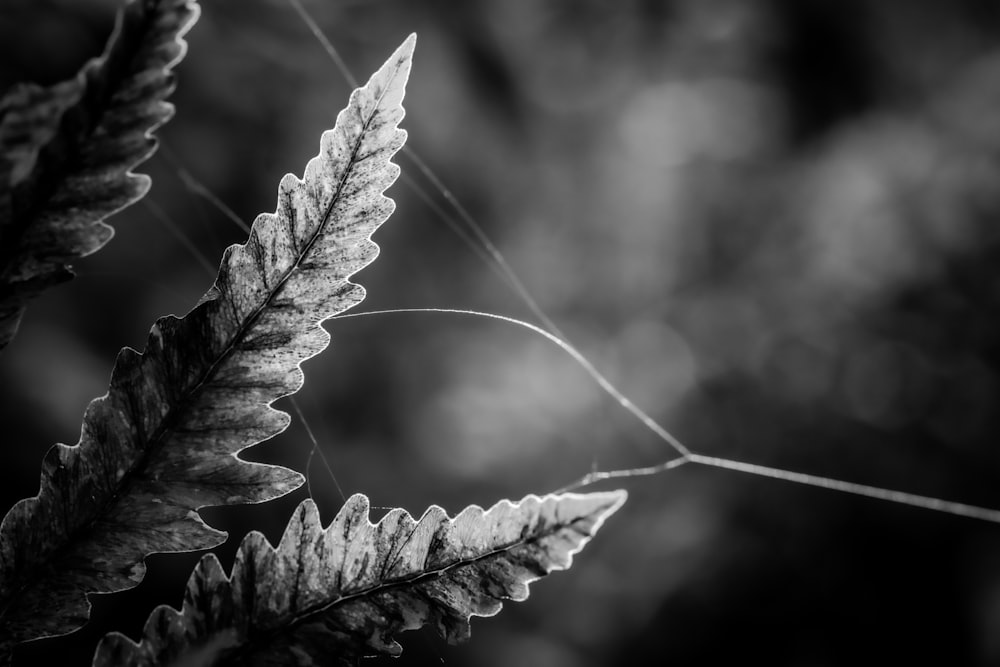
(163,441)
(335,595)
(67,151)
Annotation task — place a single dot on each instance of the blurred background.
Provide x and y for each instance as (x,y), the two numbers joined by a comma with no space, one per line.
(771,223)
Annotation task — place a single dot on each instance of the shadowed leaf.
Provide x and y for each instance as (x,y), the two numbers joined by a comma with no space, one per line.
(66,151)
(162,442)
(332,596)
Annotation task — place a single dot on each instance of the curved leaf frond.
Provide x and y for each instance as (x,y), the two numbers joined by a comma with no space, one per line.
(162,442)
(332,596)
(66,151)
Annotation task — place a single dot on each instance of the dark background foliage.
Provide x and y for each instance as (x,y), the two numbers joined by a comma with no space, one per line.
(773,223)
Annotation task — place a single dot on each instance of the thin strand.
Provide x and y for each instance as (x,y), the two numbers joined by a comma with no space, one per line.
(901,497)
(195,186)
(555,335)
(485,249)
(600,475)
(451,223)
(581,360)
(161,215)
(497,257)
(687,456)
(321,38)
(166,154)
(315,449)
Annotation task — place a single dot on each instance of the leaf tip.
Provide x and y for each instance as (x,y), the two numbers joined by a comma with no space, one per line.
(402,57)
(612,502)
(618,497)
(599,505)
(406,48)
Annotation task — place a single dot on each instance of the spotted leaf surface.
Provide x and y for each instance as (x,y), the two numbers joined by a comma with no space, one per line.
(66,151)
(162,442)
(332,596)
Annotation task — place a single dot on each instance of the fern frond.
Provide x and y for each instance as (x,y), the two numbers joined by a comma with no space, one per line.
(66,151)
(163,441)
(332,596)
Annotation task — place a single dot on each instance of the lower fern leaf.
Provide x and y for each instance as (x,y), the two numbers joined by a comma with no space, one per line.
(331,596)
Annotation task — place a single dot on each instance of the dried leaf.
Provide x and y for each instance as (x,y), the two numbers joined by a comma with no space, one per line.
(335,595)
(66,151)
(162,442)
